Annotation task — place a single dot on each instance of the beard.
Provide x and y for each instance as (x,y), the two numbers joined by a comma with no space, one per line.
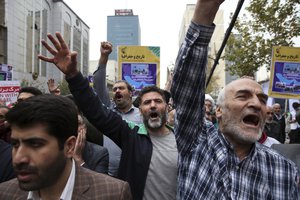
(157,123)
(43,177)
(232,128)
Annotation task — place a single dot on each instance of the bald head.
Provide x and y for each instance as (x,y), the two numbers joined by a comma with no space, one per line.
(277,108)
(229,88)
(241,111)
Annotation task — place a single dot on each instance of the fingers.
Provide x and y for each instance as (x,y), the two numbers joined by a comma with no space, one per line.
(54,41)
(61,40)
(49,48)
(44,58)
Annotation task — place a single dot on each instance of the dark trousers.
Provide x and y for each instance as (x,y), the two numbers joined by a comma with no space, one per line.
(295,136)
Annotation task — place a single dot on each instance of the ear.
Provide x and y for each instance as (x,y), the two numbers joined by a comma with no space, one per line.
(69,146)
(219,111)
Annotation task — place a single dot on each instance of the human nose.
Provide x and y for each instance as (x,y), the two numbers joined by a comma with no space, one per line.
(255,103)
(153,104)
(20,155)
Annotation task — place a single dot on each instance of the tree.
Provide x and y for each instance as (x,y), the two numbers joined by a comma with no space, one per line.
(266,23)
(213,87)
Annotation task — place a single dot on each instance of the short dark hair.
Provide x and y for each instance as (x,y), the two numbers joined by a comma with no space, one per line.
(148,89)
(32,90)
(57,113)
(129,87)
(295,105)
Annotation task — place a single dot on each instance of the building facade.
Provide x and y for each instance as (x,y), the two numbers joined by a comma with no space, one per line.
(123,29)
(24,23)
(215,42)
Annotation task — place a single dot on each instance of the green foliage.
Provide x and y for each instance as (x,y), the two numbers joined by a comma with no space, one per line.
(267,23)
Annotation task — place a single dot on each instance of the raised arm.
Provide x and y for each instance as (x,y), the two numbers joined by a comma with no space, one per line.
(88,102)
(100,73)
(63,58)
(188,86)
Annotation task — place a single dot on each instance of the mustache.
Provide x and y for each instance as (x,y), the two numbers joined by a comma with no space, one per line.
(25,167)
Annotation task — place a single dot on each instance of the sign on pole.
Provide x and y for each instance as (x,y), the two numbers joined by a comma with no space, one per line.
(285,73)
(139,65)
(9,91)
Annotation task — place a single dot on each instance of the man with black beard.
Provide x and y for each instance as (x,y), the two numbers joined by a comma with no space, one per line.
(44,130)
(149,151)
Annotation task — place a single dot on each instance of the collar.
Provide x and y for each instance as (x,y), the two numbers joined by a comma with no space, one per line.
(67,192)
(230,148)
(263,138)
(131,109)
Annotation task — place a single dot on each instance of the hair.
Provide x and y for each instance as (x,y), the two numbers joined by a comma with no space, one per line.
(57,113)
(295,105)
(148,89)
(221,98)
(129,87)
(31,90)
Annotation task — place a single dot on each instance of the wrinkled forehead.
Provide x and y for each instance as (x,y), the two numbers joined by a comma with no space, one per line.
(120,85)
(269,109)
(151,96)
(243,84)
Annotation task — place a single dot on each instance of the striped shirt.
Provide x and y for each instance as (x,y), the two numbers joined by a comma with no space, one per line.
(208,167)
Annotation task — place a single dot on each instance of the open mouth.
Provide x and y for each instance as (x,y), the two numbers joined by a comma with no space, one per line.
(118,96)
(24,176)
(153,115)
(252,120)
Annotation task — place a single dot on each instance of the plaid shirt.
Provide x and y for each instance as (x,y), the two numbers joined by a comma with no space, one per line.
(208,166)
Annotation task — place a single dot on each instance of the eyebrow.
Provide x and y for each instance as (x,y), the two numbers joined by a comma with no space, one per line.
(258,94)
(29,139)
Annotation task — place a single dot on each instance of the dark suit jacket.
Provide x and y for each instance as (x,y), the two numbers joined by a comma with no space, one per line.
(6,168)
(88,185)
(95,157)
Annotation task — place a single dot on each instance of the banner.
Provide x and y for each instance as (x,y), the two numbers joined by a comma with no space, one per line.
(285,73)
(139,65)
(9,91)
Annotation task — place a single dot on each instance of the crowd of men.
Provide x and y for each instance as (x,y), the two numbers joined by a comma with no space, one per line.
(85,146)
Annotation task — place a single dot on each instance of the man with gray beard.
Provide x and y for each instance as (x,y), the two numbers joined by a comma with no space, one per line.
(227,163)
(149,152)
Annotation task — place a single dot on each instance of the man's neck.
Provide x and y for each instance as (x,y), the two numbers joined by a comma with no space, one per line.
(159,132)
(54,192)
(241,150)
(124,109)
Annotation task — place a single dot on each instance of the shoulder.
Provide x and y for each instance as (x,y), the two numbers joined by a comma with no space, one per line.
(100,184)
(96,148)
(10,189)
(97,179)
(270,141)
(275,160)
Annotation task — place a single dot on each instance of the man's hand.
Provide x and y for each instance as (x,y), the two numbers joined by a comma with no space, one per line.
(79,146)
(105,50)
(52,87)
(63,58)
(206,11)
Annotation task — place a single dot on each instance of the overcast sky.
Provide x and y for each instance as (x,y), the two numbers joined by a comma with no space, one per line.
(160,21)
